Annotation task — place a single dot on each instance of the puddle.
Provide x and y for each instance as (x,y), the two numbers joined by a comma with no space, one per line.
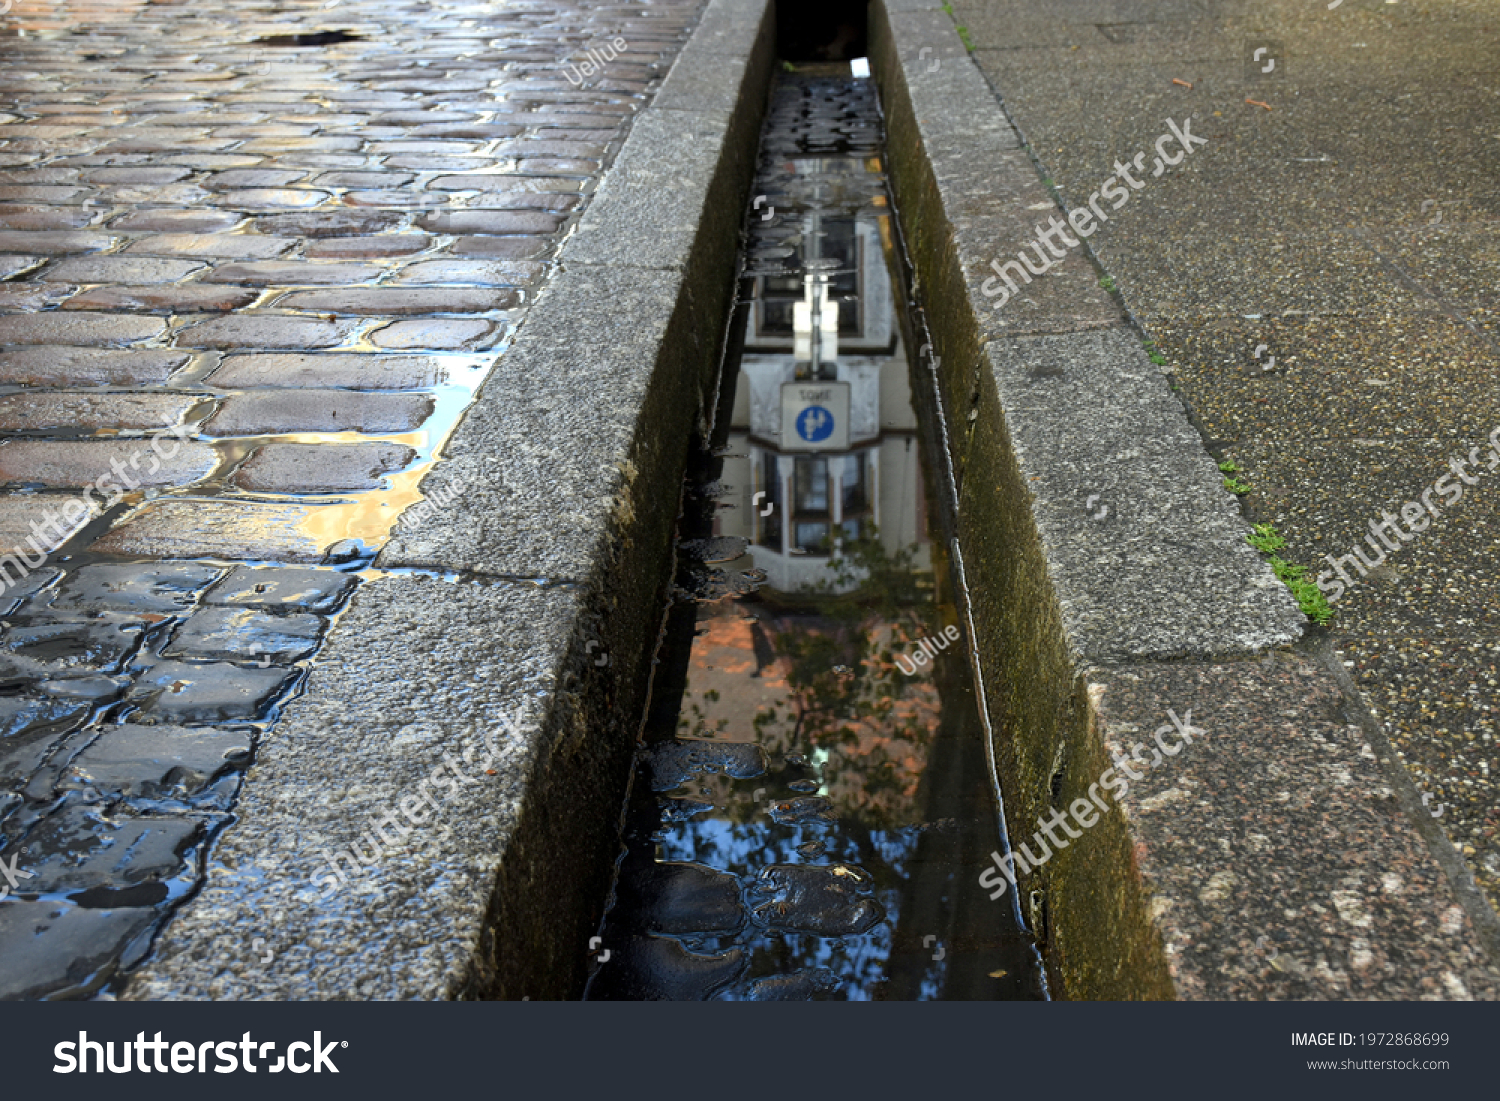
(317,38)
(814,804)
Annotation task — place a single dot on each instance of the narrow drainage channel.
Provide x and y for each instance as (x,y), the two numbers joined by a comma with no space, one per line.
(814,806)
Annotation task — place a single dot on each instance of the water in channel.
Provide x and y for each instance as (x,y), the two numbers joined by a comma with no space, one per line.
(813,806)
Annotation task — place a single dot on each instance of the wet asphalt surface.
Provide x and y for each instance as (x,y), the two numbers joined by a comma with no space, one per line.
(1344,225)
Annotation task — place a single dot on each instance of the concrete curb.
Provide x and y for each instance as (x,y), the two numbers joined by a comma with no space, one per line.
(511,637)
(1111,588)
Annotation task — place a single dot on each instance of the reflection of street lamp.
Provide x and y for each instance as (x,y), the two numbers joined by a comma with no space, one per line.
(815,325)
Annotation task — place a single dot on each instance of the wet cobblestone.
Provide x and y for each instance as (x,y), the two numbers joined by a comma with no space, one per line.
(244,244)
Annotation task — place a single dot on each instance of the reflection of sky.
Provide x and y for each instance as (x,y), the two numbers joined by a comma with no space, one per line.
(744,848)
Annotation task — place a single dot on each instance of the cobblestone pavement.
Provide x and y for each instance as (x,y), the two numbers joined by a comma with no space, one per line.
(251,274)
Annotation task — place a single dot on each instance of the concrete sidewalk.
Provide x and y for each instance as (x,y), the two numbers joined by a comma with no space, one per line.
(1351,230)
(1316,298)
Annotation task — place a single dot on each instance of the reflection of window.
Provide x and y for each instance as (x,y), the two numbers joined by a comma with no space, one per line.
(810,506)
(811,485)
(776,316)
(855,488)
(812,537)
(838,242)
(777,294)
(770,526)
(852,529)
(841,242)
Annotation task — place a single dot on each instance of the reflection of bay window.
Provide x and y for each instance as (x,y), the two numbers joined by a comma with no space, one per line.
(820,500)
(770,524)
(810,505)
(854,493)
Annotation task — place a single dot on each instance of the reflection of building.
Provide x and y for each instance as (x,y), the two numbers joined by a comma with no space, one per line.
(830,320)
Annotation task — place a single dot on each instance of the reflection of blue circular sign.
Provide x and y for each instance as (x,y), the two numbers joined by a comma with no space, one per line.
(814,423)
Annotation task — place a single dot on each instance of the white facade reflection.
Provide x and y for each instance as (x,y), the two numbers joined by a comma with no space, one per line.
(829,318)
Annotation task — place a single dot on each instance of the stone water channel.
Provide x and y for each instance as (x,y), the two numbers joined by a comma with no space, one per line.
(814,806)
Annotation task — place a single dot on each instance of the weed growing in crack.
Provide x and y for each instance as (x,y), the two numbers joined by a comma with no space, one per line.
(1231,483)
(1310,598)
(963,31)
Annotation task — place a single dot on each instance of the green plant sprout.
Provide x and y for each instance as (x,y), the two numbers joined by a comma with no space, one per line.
(1310,598)
(963,32)
(1231,483)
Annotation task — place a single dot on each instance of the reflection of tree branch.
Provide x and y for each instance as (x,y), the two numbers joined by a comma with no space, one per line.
(844,686)
(870,858)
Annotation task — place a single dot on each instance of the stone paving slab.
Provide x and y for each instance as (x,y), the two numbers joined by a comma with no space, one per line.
(51,365)
(1276,853)
(466,335)
(346,372)
(17,514)
(157,760)
(398,301)
(80,942)
(319,468)
(67,463)
(1359,273)
(79,328)
(267,412)
(291,273)
(81,410)
(217,529)
(120,269)
(266,331)
(171,300)
(1121,488)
